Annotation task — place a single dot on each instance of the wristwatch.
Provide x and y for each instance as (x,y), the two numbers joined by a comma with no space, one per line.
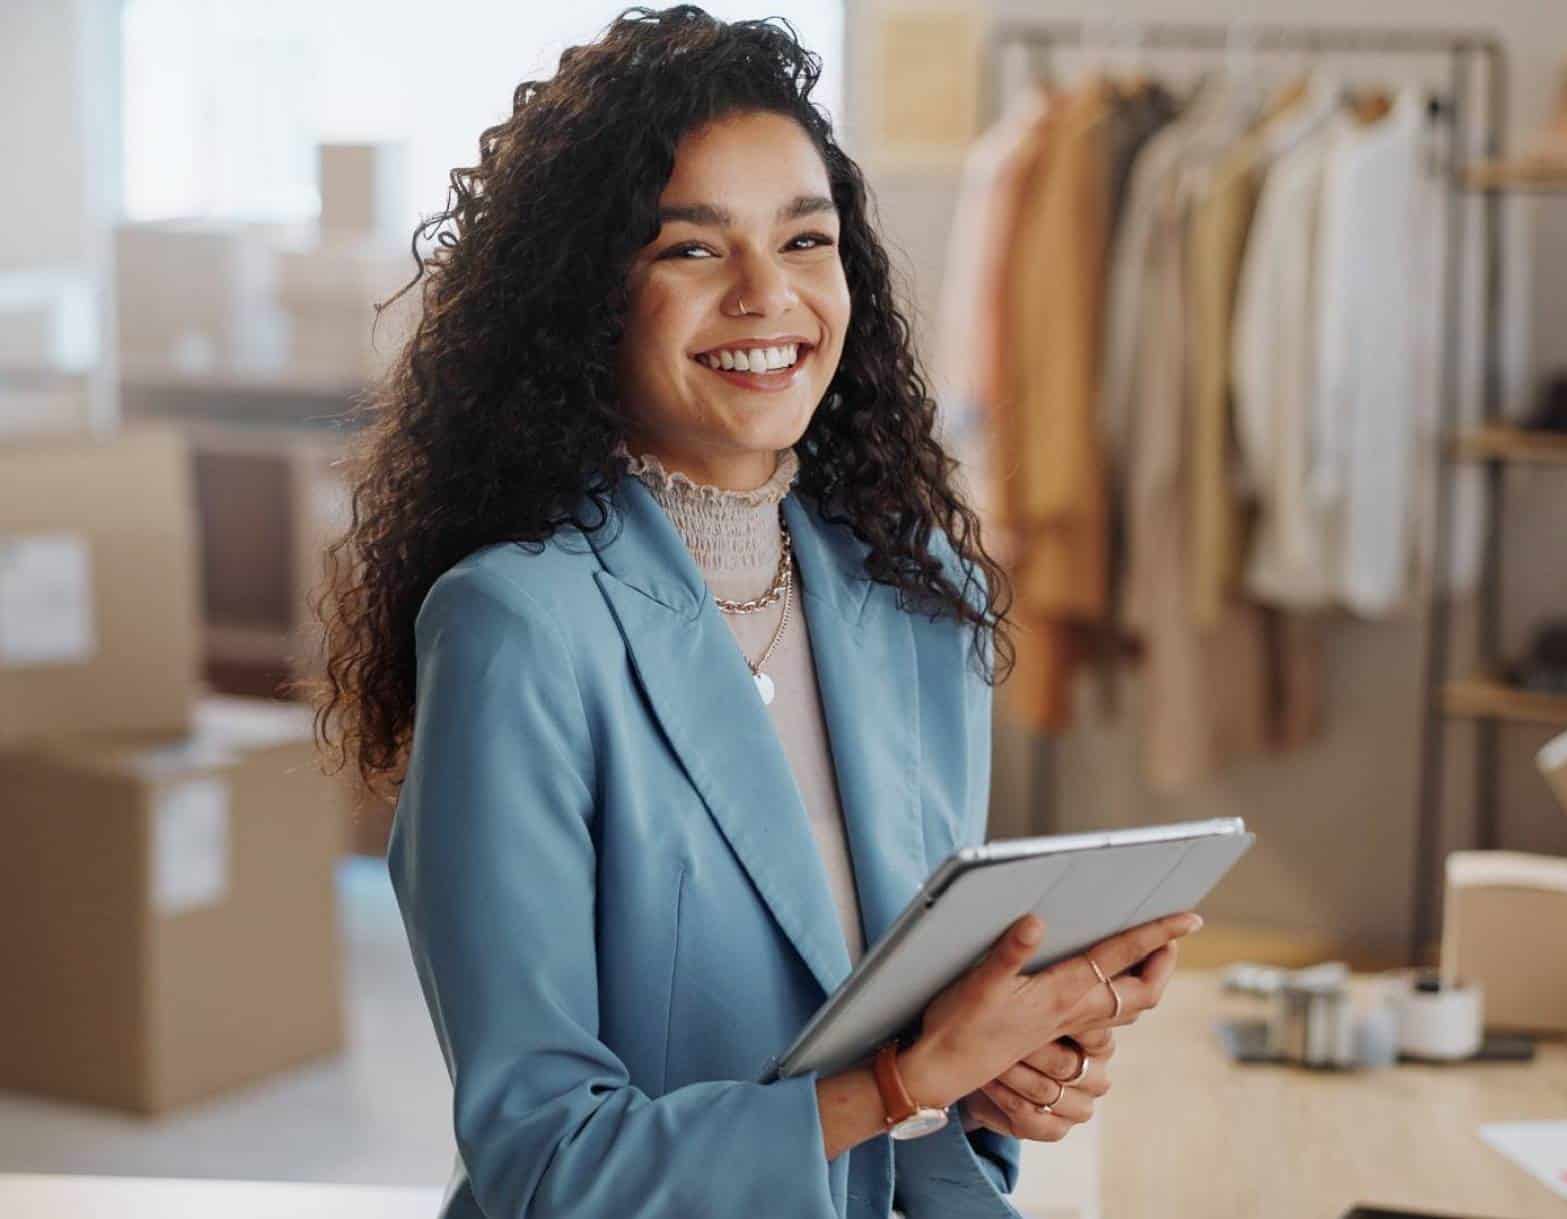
(906,1118)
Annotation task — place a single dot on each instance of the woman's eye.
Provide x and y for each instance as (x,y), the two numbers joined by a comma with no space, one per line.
(817,239)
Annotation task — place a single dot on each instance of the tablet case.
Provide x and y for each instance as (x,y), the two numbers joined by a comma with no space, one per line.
(1085,888)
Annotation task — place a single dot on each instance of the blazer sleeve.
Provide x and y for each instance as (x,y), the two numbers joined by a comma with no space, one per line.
(492,861)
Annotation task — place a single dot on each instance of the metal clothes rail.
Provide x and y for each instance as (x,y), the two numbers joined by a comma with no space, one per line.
(1464,50)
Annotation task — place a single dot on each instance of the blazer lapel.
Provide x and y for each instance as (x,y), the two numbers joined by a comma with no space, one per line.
(702,693)
(862,645)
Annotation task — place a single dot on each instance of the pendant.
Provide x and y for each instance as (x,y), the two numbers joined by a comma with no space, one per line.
(764,686)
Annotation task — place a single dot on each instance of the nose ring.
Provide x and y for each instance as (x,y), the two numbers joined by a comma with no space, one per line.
(743,309)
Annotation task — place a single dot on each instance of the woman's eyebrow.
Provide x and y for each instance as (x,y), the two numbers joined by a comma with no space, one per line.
(720,217)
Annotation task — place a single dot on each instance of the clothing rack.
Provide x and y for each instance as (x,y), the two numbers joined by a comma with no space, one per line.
(1465,50)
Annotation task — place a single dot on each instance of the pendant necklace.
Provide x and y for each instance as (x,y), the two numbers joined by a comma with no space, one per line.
(783,584)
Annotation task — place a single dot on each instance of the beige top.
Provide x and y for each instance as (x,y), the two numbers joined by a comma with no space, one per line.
(735,538)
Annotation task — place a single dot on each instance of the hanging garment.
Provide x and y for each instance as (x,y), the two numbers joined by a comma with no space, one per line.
(1130,251)
(969,360)
(1221,222)
(1139,112)
(1204,692)
(1054,492)
(1379,213)
(1124,309)
(1292,546)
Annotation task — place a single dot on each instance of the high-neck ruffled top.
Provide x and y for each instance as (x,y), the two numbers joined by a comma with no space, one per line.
(729,533)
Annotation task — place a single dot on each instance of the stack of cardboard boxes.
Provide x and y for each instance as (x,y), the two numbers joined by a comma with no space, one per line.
(168,925)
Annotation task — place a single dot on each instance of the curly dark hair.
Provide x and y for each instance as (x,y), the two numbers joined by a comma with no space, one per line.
(499,416)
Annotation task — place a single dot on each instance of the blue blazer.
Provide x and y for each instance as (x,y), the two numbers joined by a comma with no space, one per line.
(617,911)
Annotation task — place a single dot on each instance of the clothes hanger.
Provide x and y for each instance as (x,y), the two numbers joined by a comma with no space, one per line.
(1135,81)
(1370,104)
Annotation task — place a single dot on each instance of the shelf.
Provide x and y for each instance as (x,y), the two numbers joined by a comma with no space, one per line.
(1503,442)
(1516,177)
(1489,698)
(163,376)
(248,644)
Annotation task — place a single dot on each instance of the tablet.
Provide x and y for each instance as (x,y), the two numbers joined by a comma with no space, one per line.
(1086,887)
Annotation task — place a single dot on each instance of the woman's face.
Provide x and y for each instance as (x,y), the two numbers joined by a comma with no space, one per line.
(747,216)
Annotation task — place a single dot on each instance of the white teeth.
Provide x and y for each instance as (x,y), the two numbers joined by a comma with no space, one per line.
(752,361)
(757,359)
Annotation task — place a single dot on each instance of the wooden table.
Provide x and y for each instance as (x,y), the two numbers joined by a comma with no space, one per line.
(27,1196)
(1187,1132)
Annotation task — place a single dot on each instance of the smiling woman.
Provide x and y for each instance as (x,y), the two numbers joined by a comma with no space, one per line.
(738,283)
(651,804)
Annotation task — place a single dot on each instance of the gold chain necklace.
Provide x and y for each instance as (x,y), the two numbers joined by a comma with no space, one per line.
(783,585)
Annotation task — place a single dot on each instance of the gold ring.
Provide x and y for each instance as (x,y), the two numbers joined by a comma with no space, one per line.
(1060,1092)
(1100,974)
(1082,1065)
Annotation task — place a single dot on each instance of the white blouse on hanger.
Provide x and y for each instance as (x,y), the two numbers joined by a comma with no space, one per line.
(1274,376)
(1377,245)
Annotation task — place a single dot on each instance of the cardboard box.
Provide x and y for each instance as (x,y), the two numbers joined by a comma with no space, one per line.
(48,319)
(198,296)
(364,188)
(269,502)
(98,591)
(168,925)
(329,290)
(44,403)
(1504,927)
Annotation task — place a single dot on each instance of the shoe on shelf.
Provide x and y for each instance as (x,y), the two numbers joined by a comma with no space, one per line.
(1543,667)
(1550,407)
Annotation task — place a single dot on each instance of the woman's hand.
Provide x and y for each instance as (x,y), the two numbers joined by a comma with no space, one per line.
(1009,1104)
(992,1018)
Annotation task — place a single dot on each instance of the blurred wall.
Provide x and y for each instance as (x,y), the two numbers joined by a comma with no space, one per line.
(60,152)
(1335,822)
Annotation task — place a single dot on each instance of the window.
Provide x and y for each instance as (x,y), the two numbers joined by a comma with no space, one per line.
(225,102)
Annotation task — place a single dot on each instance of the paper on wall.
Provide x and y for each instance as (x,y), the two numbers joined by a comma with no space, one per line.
(190,845)
(46,605)
(1540,1148)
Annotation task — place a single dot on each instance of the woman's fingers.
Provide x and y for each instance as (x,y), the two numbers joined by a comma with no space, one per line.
(1096,1005)
(1120,952)
(1155,972)
(1011,951)
(1096,1043)
(988,1114)
(1020,1091)
(1042,1087)
(1059,1059)
(1065,1057)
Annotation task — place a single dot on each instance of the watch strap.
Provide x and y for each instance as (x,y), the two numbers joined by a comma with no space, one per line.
(895,1098)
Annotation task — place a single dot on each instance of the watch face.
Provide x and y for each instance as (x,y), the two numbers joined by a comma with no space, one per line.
(922,1121)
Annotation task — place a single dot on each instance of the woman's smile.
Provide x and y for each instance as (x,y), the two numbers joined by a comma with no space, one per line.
(764,369)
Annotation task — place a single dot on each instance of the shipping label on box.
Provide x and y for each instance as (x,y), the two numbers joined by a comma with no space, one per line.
(190,845)
(46,603)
